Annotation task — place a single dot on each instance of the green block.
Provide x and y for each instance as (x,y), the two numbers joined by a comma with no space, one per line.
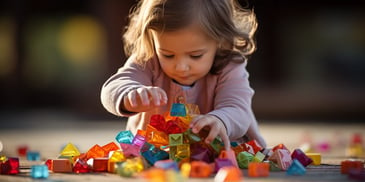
(243,159)
(175,139)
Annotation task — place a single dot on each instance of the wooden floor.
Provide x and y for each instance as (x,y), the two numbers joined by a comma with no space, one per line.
(48,134)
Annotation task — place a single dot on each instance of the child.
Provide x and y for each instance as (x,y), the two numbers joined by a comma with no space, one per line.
(190,50)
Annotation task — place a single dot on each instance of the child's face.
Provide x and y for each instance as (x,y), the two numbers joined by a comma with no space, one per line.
(185,55)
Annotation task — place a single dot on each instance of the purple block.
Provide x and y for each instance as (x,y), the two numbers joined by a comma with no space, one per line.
(222,162)
(301,157)
(296,168)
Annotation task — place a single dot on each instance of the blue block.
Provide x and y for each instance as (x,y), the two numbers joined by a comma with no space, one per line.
(296,168)
(125,137)
(33,156)
(178,109)
(39,171)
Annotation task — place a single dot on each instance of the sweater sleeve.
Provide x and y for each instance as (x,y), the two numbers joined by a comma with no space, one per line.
(232,103)
(130,76)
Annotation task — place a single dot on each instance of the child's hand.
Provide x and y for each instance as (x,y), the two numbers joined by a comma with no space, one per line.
(144,99)
(216,128)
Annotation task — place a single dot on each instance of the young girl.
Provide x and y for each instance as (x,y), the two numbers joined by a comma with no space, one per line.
(190,50)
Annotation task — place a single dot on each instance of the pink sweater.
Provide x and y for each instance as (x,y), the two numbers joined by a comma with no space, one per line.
(226,95)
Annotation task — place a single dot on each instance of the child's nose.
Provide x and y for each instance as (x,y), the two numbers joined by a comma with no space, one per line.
(182,66)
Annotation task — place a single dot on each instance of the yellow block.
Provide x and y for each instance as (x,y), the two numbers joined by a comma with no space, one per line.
(316,157)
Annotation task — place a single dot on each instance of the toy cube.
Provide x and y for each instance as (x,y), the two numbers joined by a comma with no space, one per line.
(243,159)
(124,137)
(258,169)
(81,167)
(175,139)
(33,156)
(70,150)
(316,158)
(200,169)
(296,168)
(349,165)
(39,171)
(61,166)
(10,166)
(301,157)
(178,109)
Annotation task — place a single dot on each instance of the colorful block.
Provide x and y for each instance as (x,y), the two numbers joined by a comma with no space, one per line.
(100,165)
(259,157)
(39,171)
(81,166)
(175,139)
(130,167)
(70,150)
(61,166)
(178,109)
(33,156)
(110,147)
(96,152)
(301,157)
(22,150)
(282,158)
(139,140)
(258,169)
(243,159)
(348,165)
(230,155)
(10,166)
(296,168)
(253,147)
(316,158)
(130,150)
(167,164)
(125,137)
(200,169)
(222,162)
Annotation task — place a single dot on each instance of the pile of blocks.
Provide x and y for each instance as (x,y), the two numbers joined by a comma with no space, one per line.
(168,150)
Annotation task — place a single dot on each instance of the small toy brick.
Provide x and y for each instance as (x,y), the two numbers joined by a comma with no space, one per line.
(178,109)
(81,166)
(130,150)
(358,175)
(229,174)
(61,166)
(117,156)
(200,169)
(154,156)
(230,155)
(296,168)
(258,169)
(49,164)
(172,127)
(316,158)
(10,166)
(199,152)
(33,156)
(96,152)
(166,164)
(185,169)
(110,147)
(124,137)
(70,150)
(100,165)
(39,171)
(221,162)
(22,150)
(130,167)
(253,147)
(279,146)
(175,139)
(154,174)
(244,158)
(179,152)
(282,158)
(349,165)
(155,137)
(355,150)
(157,122)
(301,157)
(259,157)
(3,158)
(139,139)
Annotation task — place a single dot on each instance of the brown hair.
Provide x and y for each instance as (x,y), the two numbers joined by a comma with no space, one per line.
(231,26)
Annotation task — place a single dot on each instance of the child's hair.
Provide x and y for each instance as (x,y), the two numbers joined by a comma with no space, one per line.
(231,26)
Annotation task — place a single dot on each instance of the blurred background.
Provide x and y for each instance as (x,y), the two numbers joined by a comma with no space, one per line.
(55,56)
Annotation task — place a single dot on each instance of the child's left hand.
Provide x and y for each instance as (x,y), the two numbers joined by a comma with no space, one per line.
(216,126)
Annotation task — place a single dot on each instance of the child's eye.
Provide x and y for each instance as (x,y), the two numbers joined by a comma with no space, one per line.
(168,56)
(196,56)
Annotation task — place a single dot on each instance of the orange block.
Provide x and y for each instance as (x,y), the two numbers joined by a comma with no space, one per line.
(347,166)
(100,165)
(200,169)
(258,169)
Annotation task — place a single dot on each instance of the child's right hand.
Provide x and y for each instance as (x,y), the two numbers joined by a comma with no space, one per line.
(144,99)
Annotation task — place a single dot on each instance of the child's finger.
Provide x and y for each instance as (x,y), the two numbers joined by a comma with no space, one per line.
(226,142)
(132,98)
(144,96)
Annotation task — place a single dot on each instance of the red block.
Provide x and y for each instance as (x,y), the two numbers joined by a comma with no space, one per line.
(61,166)
(81,167)
(347,166)
(22,150)
(253,147)
(100,165)
(11,166)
